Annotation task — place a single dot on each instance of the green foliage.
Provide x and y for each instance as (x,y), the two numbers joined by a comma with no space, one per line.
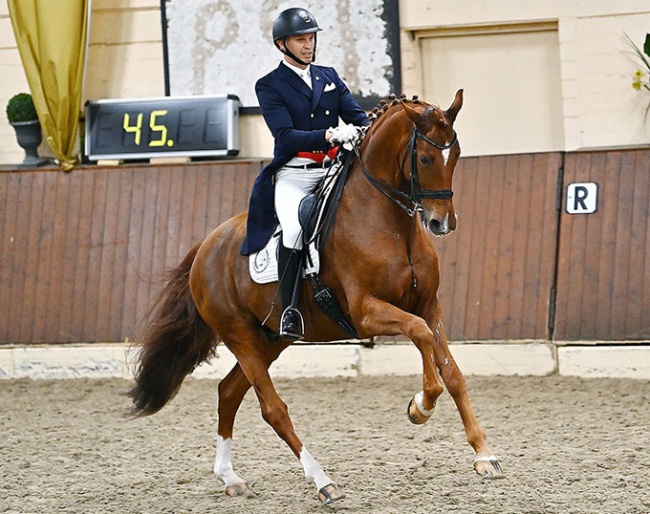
(640,80)
(21,108)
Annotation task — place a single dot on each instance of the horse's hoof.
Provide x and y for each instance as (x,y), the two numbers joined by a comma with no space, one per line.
(240,489)
(415,415)
(488,467)
(330,494)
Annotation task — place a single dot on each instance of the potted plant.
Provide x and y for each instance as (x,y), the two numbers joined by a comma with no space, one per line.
(22,116)
(640,80)
(20,108)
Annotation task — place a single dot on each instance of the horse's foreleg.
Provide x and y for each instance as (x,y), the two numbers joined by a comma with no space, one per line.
(379,317)
(485,464)
(383,318)
(254,365)
(232,390)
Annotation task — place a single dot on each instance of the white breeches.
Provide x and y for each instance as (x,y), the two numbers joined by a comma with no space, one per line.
(291,186)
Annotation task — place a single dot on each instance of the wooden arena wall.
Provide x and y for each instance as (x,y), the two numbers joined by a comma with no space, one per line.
(82,253)
(603,268)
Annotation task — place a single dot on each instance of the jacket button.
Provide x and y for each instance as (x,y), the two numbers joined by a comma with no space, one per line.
(327,112)
(311,115)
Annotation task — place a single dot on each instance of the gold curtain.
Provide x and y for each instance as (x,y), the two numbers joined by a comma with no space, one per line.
(51,37)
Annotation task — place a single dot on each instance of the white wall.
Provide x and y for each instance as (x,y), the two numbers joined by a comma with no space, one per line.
(12,81)
(125,54)
(125,60)
(512,82)
(599,108)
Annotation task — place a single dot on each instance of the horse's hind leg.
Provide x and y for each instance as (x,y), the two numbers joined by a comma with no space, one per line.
(232,390)
(254,362)
(485,464)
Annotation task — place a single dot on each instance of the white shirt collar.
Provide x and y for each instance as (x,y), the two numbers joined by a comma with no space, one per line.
(305,74)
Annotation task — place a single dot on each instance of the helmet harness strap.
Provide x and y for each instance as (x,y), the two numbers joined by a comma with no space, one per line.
(288,52)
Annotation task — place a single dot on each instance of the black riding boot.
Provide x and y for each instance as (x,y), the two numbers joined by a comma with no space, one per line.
(289,264)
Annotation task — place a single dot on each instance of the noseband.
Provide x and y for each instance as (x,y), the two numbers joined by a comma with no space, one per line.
(417,194)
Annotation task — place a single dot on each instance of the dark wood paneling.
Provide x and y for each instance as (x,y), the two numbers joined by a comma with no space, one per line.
(603,263)
(497,269)
(83,252)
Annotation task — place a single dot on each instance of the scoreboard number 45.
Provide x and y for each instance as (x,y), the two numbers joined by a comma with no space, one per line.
(136,129)
(196,126)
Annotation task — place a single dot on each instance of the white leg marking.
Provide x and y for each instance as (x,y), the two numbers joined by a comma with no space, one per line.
(418,403)
(313,470)
(223,462)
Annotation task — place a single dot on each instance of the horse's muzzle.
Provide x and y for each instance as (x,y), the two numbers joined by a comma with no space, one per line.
(440,225)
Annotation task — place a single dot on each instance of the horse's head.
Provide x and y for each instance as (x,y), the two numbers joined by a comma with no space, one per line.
(434,153)
(412,150)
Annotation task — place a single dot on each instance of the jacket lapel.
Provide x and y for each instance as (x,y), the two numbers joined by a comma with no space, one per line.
(318,81)
(294,80)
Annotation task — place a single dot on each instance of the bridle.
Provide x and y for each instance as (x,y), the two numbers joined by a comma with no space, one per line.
(417,194)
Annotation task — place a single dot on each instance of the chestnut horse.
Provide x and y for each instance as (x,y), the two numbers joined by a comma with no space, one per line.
(378,259)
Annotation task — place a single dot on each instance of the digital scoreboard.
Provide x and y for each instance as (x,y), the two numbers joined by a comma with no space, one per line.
(196,126)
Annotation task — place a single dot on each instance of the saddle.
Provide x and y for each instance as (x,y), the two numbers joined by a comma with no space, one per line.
(316,215)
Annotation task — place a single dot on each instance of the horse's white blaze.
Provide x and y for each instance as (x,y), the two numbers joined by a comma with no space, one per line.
(313,470)
(223,462)
(445,155)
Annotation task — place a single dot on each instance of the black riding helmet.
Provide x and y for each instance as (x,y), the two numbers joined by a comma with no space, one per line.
(294,22)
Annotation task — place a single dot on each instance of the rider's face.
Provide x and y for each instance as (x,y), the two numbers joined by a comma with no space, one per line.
(302,46)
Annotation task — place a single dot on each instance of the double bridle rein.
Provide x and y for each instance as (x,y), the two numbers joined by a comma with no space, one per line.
(417,194)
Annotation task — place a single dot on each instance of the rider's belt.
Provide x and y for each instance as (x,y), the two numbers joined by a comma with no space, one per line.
(308,166)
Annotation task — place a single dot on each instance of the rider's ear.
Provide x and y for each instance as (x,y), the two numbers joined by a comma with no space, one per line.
(455,106)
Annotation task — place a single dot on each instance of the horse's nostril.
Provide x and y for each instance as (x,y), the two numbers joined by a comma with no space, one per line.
(436,227)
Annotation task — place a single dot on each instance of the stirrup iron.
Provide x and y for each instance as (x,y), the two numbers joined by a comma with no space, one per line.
(292,329)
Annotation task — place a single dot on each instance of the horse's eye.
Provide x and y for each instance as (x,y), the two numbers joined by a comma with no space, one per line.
(425,160)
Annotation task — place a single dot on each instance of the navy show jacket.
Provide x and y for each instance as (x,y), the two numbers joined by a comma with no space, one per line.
(298,118)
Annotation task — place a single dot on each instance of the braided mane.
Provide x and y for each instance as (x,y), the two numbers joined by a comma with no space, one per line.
(389,102)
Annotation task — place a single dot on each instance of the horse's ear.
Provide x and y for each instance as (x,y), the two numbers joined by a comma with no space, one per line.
(421,119)
(455,106)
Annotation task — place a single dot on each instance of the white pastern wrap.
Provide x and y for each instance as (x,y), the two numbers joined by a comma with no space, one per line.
(313,470)
(223,462)
(418,403)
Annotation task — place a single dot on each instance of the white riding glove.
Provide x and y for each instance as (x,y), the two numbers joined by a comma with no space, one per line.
(345,134)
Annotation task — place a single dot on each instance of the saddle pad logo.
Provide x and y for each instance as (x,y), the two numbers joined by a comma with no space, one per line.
(261,261)
(263,265)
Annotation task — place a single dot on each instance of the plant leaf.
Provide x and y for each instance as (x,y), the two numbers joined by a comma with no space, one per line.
(645,59)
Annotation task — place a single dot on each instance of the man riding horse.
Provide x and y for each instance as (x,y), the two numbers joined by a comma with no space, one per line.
(301,104)
(382,266)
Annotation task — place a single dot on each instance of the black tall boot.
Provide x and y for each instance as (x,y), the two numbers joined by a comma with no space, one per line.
(289,268)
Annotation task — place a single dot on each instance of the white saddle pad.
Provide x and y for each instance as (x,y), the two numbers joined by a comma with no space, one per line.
(263,265)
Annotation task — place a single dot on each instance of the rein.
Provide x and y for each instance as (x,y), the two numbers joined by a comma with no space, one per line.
(417,194)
